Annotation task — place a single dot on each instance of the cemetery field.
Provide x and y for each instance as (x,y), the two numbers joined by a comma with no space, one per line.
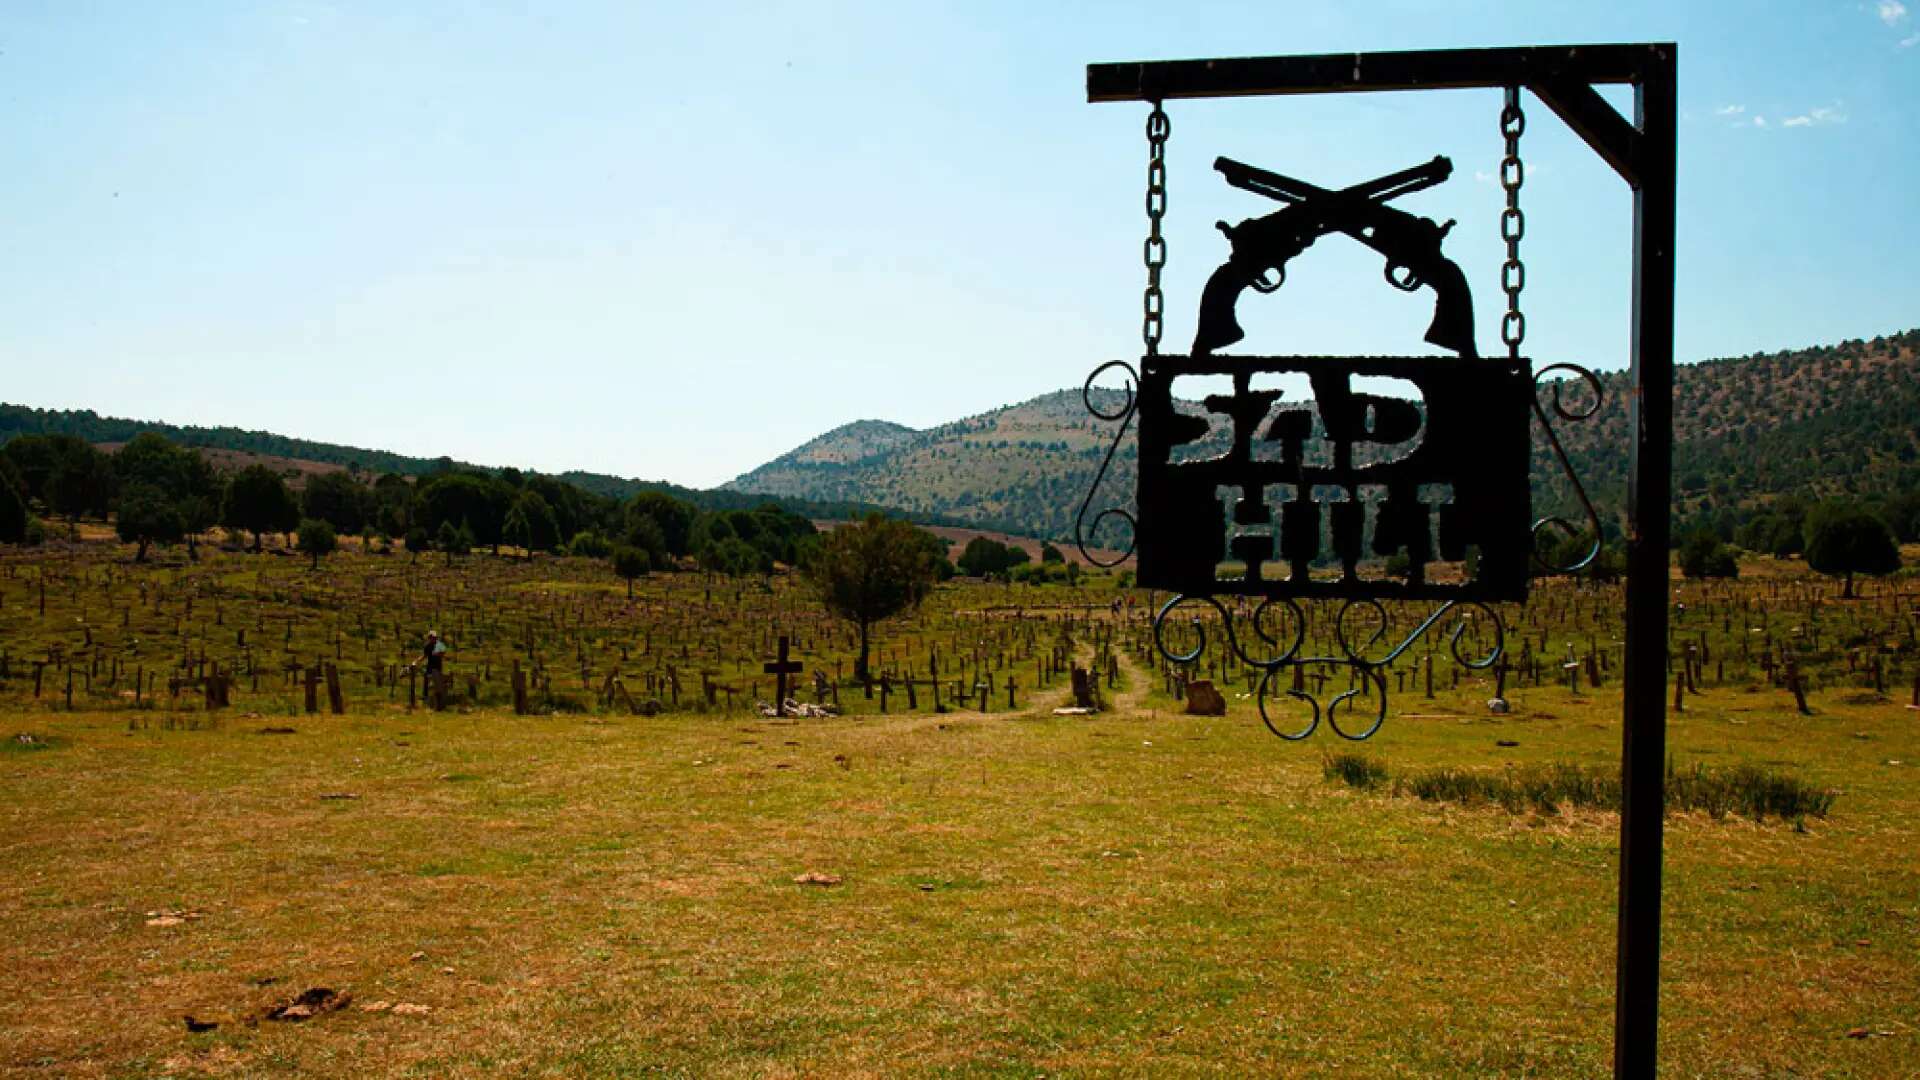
(586,889)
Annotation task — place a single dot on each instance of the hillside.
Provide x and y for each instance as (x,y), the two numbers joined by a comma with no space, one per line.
(1818,422)
(1020,469)
(230,448)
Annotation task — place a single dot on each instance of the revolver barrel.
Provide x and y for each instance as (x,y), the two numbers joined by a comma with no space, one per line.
(1287,189)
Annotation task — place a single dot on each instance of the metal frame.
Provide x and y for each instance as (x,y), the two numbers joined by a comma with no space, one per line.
(1642,151)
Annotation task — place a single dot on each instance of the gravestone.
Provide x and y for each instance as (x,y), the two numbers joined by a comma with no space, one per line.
(1203,699)
(1083,688)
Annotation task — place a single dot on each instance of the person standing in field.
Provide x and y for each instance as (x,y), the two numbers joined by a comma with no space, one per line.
(433,657)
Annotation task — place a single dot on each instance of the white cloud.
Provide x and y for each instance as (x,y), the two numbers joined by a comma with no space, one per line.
(1759,121)
(1730,110)
(1818,117)
(1892,12)
(1910,41)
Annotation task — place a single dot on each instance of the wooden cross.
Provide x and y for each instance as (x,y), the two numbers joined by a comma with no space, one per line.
(780,669)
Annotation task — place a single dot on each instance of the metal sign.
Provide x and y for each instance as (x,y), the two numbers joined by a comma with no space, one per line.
(1300,494)
(1251,493)
(1345,494)
(1305,480)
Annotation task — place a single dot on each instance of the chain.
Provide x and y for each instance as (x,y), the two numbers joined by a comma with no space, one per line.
(1513,223)
(1155,249)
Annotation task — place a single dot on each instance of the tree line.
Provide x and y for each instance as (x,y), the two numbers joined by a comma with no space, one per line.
(158,493)
(1837,537)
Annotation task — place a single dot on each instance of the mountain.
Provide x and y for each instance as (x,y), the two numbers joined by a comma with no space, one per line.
(1817,422)
(1021,469)
(1836,420)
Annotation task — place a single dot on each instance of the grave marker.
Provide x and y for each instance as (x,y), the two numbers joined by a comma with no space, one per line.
(781,668)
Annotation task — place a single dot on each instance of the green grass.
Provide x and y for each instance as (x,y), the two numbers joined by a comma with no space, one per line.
(1355,770)
(1139,892)
(1116,895)
(31,742)
(1753,791)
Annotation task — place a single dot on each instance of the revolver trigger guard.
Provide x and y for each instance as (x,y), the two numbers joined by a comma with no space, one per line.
(1262,286)
(1409,283)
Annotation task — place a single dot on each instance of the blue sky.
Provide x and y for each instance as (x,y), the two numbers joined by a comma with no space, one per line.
(673,241)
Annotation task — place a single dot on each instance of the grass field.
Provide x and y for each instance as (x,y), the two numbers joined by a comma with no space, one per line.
(1016,894)
(1141,892)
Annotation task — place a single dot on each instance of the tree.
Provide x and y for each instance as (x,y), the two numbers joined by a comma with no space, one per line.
(984,557)
(644,532)
(516,531)
(675,519)
(1846,540)
(339,500)
(454,539)
(199,513)
(870,571)
(631,562)
(33,458)
(61,470)
(777,534)
(571,512)
(734,557)
(317,539)
(530,524)
(1902,514)
(12,504)
(182,476)
(258,502)
(151,460)
(1702,555)
(147,517)
(937,549)
(417,541)
(981,557)
(393,504)
(82,482)
(1051,554)
(479,502)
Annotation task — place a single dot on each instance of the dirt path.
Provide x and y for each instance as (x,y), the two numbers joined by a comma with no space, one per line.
(1139,684)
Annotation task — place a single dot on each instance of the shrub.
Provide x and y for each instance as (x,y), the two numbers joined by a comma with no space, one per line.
(1356,770)
(589,545)
(1750,791)
(1702,555)
(734,557)
(985,557)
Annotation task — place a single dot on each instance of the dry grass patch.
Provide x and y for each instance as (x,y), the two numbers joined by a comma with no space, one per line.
(1015,897)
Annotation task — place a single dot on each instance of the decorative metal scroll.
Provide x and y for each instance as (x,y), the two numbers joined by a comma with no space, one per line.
(1474,633)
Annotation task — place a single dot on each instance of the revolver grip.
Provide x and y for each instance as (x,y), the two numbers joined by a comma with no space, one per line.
(1218,325)
(1452,326)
